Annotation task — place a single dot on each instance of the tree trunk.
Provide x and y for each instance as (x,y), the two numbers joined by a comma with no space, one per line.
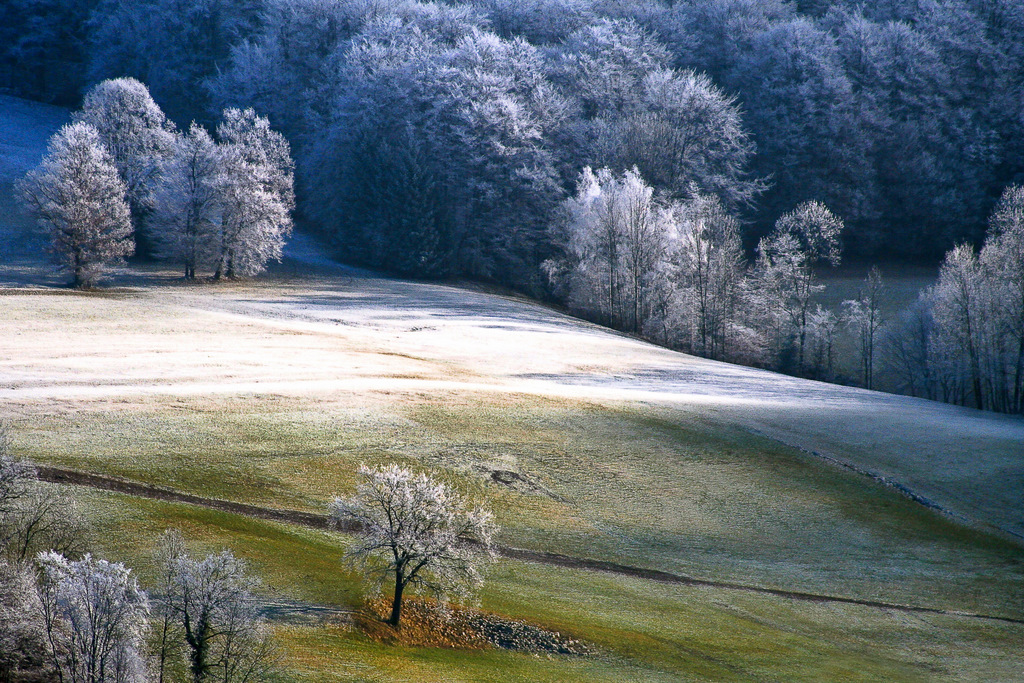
(396,604)
(79,282)
(199,644)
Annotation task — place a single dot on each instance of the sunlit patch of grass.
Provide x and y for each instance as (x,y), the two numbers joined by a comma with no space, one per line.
(640,630)
(670,490)
(294,562)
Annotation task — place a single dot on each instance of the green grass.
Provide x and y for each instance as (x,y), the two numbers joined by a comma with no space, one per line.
(693,496)
(642,630)
(683,489)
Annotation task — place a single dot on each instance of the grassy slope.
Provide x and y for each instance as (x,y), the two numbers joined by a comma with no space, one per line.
(680,487)
(273,393)
(644,630)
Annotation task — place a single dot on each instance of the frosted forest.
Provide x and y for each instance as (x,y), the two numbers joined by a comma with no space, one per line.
(680,171)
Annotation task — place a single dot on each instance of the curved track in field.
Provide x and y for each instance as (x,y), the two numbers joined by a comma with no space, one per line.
(317,521)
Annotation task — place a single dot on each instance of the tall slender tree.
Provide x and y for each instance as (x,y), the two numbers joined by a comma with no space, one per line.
(187,210)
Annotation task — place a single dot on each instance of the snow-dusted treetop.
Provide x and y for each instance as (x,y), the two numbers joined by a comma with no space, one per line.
(78,198)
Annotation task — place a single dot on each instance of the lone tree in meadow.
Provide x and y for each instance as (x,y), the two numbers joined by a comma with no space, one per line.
(416,530)
(79,200)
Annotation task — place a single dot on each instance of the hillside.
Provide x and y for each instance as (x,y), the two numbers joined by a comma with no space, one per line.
(585,442)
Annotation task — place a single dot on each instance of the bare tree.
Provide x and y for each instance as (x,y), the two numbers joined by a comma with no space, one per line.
(34,516)
(44,519)
(95,618)
(79,200)
(16,476)
(907,350)
(416,530)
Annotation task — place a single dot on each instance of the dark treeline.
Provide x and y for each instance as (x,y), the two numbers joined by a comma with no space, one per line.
(905,117)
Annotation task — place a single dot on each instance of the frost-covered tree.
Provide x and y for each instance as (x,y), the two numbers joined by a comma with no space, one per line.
(712,36)
(296,50)
(542,22)
(786,258)
(96,619)
(604,65)
(932,153)
(23,654)
(800,105)
(173,45)
(43,49)
(137,135)
(417,531)
(676,127)
(906,351)
(436,160)
(864,316)
(34,516)
(977,305)
(186,202)
(614,236)
(957,302)
(255,192)
(170,547)
(1002,257)
(16,476)
(78,199)
(43,519)
(822,332)
(709,275)
(689,133)
(212,604)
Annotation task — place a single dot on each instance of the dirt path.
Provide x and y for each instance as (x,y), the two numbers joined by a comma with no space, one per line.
(316,521)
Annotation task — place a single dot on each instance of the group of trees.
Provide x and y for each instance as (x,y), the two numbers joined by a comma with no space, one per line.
(447,139)
(65,615)
(120,179)
(904,117)
(674,270)
(963,342)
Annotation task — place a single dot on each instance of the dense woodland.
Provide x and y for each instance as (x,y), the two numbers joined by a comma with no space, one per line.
(904,117)
(679,170)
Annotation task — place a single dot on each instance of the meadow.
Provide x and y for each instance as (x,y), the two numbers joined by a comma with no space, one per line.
(584,442)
